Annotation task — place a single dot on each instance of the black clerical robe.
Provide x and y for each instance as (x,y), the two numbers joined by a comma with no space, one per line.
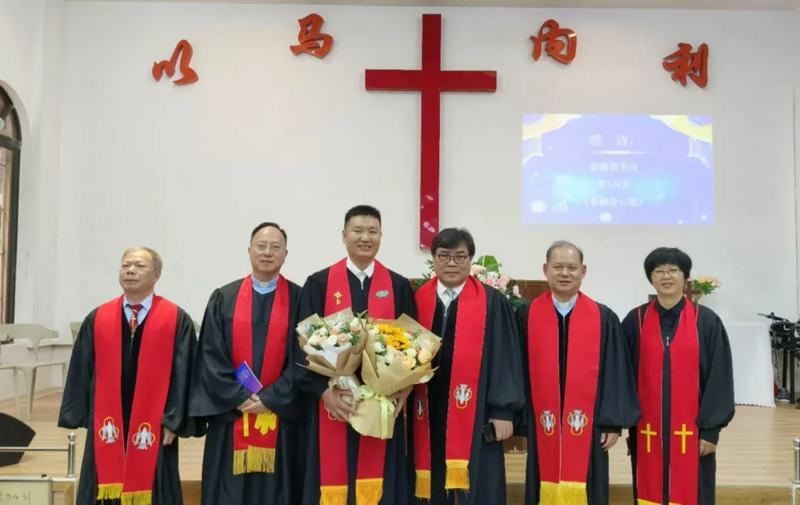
(216,394)
(616,404)
(312,301)
(501,397)
(717,405)
(77,405)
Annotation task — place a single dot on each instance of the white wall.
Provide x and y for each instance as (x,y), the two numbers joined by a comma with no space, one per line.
(30,70)
(265,135)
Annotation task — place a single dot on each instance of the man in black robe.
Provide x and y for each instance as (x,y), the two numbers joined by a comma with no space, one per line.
(139,272)
(668,269)
(615,401)
(362,239)
(446,303)
(220,400)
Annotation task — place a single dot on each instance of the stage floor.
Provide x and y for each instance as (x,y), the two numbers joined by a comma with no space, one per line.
(756,450)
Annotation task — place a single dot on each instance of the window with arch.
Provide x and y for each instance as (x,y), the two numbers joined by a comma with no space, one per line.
(10,144)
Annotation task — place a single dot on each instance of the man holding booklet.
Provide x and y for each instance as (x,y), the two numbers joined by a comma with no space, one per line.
(243,386)
(374,469)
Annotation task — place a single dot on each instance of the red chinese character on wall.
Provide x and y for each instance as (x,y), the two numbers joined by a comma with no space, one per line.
(311,40)
(183,51)
(687,63)
(563,51)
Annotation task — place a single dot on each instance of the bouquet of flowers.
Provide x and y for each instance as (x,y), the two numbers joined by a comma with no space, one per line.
(398,354)
(333,345)
(703,286)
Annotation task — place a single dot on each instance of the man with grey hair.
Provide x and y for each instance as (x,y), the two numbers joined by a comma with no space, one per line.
(128,385)
(580,382)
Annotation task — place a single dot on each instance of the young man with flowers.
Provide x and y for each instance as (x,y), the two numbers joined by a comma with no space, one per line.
(340,463)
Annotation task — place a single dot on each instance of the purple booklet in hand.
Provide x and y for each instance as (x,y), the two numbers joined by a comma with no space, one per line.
(246,377)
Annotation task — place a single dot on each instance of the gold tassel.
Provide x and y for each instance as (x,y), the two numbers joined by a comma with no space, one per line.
(333,495)
(550,494)
(573,493)
(109,491)
(645,502)
(254,460)
(138,498)
(369,491)
(457,474)
(423,486)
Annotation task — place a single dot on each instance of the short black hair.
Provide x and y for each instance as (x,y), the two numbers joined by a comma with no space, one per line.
(667,256)
(450,238)
(274,225)
(563,243)
(362,210)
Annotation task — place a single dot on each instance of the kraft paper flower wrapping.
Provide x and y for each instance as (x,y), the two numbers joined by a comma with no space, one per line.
(398,354)
(333,345)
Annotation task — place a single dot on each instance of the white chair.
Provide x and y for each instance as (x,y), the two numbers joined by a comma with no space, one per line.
(35,333)
(75,328)
(14,370)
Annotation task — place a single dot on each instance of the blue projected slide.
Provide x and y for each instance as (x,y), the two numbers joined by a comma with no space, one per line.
(617,169)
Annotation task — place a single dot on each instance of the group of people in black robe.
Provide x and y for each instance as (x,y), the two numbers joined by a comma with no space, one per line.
(560,370)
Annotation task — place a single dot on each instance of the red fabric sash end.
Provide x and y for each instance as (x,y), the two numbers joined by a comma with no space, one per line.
(129,474)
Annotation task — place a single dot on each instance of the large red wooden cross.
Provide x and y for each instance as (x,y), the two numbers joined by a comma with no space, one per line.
(431,81)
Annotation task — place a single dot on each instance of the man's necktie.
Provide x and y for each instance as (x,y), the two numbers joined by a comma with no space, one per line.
(134,317)
(448,297)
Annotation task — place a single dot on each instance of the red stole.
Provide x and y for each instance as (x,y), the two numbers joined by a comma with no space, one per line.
(685,404)
(128,475)
(465,375)
(564,441)
(333,433)
(255,437)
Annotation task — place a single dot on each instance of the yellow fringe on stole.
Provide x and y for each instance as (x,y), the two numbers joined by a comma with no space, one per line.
(550,494)
(109,491)
(254,460)
(574,493)
(333,495)
(138,498)
(457,474)
(369,491)
(423,486)
(645,502)
(564,493)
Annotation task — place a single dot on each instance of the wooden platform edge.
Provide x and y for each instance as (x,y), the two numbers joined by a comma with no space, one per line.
(619,494)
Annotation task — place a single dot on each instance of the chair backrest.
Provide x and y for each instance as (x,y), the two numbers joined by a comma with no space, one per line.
(33,332)
(75,328)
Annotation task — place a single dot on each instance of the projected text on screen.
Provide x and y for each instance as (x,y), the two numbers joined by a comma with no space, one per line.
(617,169)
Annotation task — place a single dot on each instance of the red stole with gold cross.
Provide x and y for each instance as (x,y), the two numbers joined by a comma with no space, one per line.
(684,406)
(332,432)
(255,437)
(564,441)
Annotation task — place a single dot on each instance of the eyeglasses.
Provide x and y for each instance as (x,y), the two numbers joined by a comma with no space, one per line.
(444,259)
(673,272)
(273,248)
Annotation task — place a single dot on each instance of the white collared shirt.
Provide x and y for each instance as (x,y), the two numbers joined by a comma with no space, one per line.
(565,308)
(447,295)
(361,274)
